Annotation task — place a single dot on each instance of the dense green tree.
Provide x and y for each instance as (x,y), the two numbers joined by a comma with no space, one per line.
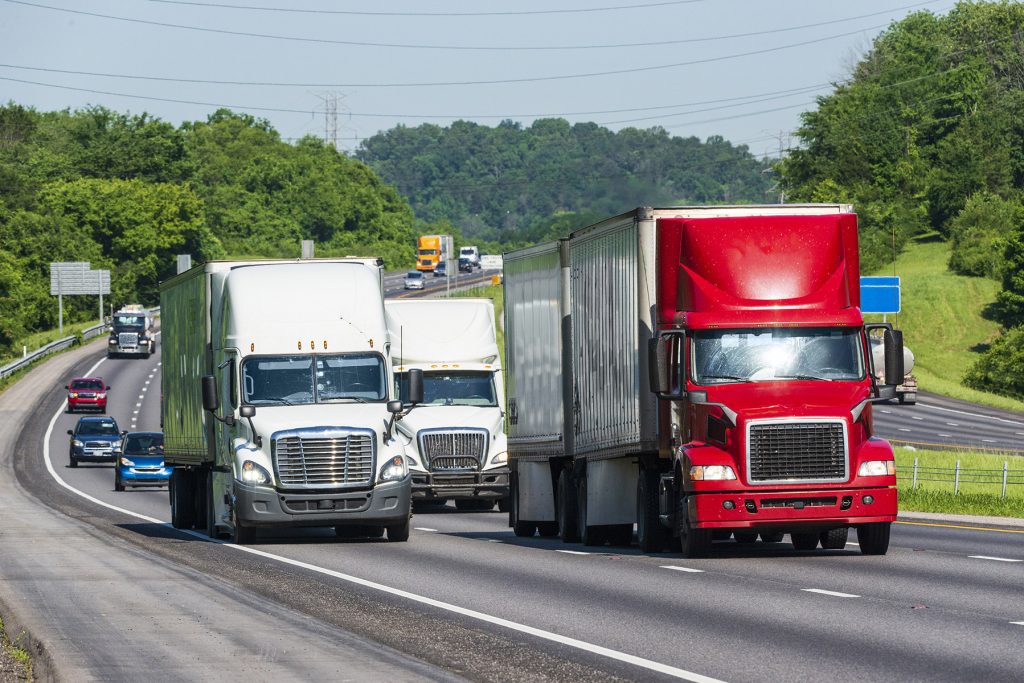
(979,234)
(1001,367)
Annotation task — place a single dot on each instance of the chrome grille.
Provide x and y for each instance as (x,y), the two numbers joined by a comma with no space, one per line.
(453,449)
(128,339)
(797,451)
(324,462)
(98,445)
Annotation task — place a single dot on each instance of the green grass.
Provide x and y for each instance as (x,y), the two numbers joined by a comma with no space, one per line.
(980,483)
(941,320)
(40,339)
(16,654)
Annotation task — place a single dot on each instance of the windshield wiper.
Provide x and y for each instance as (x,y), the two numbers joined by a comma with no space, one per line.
(332,399)
(731,378)
(807,377)
(274,398)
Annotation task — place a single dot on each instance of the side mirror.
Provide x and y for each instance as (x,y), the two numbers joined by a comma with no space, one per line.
(894,370)
(415,386)
(394,407)
(70,433)
(67,387)
(210,401)
(657,366)
(246,411)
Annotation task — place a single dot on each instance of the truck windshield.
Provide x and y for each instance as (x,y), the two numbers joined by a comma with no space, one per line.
(294,380)
(122,320)
(724,356)
(453,388)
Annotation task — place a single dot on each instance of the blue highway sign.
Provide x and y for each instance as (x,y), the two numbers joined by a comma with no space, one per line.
(880,294)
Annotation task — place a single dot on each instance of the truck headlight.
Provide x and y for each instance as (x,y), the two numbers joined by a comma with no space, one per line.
(254,474)
(111,341)
(500,458)
(711,473)
(877,468)
(394,469)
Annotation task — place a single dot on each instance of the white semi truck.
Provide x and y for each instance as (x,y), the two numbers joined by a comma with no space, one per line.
(277,404)
(455,441)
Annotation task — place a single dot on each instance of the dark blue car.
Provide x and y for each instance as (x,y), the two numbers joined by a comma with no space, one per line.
(94,439)
(141,461)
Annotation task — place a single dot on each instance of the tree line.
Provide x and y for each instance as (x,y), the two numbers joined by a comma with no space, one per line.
(928,135)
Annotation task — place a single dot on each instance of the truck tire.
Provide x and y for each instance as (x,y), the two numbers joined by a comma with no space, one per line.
(834,539)
(589,535)
(874,538)
(241,534)
(651,535)
(804,540)
(182,488)
(399,533)
(566,508)
(692,542)
(520,528)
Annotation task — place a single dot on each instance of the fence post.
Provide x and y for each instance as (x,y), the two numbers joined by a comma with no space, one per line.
(914,486)
(1006,464)
(956,479)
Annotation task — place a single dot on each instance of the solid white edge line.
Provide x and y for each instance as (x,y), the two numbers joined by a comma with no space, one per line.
(835,594)
(689,570)
(1017,623)
(994,559)
(423,528)
(571,552)
(455,609)
(964,412)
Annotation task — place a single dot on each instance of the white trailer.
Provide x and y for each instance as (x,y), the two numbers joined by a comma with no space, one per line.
(455,441)
(276,403)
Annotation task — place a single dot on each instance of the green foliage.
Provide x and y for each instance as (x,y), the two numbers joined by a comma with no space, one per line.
(503,185)
(1001,367)
(979,234)
(1009,305)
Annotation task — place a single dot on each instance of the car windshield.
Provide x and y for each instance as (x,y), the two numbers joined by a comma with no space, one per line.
(414,276)
(724,356)
(98,428)
(292,380)
(453,388)
(81,384)
(144,444)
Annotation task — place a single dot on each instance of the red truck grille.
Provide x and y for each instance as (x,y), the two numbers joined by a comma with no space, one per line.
(797,451)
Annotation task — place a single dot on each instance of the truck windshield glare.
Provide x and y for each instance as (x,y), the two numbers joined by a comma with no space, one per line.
(776,354)
(294,380)
(454,388)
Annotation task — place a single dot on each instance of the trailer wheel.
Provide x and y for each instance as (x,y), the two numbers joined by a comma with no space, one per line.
(566,508)
(804,540)
(504,504)
(182,489)
(692,542)
(241,534)
(590,535)
(651,535)
(874,538)
(522,529)
(834,539)
(399,533)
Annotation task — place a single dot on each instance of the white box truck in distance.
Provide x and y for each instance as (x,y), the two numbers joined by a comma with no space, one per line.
(275,406)
(455,441)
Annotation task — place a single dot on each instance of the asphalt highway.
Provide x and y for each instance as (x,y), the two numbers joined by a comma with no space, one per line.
(112,592)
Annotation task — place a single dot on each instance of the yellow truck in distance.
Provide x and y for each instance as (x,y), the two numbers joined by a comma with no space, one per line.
(431,250)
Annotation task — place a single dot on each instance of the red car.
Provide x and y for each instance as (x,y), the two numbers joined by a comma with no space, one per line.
(87,393)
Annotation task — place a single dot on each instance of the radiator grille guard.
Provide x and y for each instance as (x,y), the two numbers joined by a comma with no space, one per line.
(329,458)
(797,451)
(447,450)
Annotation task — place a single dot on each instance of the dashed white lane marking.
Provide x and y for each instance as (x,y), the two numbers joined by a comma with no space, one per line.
(948,436)
(144,389)
(915,417)
(135,412)
(1017,623)
(904,429)
(138,405)
(423,528)
(147,381)
(887,412)
(989,441)
(952,424)
(688,570)
(572,552)
(599,650)
(835,594)
(994,559)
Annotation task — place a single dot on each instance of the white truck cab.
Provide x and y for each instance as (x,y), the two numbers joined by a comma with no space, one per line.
(455,440)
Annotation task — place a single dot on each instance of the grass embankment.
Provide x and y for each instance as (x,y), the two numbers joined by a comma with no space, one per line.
(15,661)
(39,339)
(980,483)
(942,320)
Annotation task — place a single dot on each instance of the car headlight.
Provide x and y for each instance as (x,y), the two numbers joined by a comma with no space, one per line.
(711,473)
(877,468)
(394,469)
(500,458)
(255,474)
(77,444)
(126,462)
(73,394)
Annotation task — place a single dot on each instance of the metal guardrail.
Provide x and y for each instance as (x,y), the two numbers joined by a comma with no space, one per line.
(52,347)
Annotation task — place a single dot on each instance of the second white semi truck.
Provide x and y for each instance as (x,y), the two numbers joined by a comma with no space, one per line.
(455,440)
(278,403)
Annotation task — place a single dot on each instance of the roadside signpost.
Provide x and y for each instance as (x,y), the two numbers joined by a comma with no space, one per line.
(76,277)
(880,295)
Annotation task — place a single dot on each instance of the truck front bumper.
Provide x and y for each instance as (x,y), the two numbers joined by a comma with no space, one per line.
(384,504)
(824,507)
(460,485)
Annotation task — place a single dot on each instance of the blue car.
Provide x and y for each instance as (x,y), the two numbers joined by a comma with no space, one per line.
(94,439)
(140,461)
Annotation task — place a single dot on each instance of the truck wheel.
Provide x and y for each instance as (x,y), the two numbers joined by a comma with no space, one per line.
(692,542)
(874,538)
(182,499)
(589,535)
(241,534)
(650,534)
(804,540)
(504,504)
(520,528)
(399,533)
(834,539)
(566,508)
(745,537)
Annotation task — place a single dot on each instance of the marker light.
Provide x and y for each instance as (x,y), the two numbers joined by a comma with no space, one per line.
(877,468)
(254,474)
(711,473)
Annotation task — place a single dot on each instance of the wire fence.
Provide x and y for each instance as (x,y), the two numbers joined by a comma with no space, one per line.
(980,480)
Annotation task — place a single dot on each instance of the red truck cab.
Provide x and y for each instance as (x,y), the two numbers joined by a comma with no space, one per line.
(762,361)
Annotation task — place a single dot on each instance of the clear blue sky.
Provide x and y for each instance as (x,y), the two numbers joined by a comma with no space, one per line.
(686,66)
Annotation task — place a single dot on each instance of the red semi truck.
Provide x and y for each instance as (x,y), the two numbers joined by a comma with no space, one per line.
(701,373)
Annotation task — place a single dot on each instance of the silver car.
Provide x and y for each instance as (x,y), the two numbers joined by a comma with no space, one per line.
(414,280)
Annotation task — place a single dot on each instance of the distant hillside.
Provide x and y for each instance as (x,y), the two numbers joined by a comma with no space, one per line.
(507,184)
